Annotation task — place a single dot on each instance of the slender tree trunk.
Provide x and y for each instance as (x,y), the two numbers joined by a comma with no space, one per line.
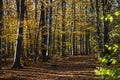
(80,20)
(74,28)
(98,25)
(54,31)
(19,39)
(105,24)
(1,27)
(87,33)
(28,37)
(81,49)
(44,31)
(49,29)
(63,28)
(87,42)
(36,51)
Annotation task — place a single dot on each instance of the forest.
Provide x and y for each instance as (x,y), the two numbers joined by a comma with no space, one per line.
(59,39)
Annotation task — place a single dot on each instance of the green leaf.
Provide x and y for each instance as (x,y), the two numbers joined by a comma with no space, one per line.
(108,16)
(115,47)
(111,18)
(106,46)
(117,13)
(103,60)
(110,48)
(114,61)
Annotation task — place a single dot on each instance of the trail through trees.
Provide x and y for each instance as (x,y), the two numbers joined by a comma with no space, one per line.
(71,68)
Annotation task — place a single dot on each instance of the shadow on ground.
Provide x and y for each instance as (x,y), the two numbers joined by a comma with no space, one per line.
(79,67)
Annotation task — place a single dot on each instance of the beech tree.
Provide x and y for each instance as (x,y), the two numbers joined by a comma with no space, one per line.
(1,27)
(98,24)
(63,27)
(36,51)
(42,24)
(74,26)
(49,25)
(19,40)
(106,7)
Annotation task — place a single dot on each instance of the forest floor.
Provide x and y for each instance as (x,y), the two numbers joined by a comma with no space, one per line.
(79,67)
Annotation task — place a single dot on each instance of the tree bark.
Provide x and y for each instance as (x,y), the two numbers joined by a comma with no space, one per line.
(63,28)
(74,28)
(43,33)
(98,25)
(36,51)
(106,9)
(49,29)
(1,27)
(19,39)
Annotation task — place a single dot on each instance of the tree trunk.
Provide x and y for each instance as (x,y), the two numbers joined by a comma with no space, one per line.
(63,28)
(74,28)
(98,25)
(105,8)
(1,26)
(19,39)
(49,29)
(43,33)
(36,51)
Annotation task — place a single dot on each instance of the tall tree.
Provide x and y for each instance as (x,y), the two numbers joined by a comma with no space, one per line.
(63,27)
(98,23)
(49,24)
(36,35)
(42,23)
(106,7)
(19,39)
(74,27)
(1,27)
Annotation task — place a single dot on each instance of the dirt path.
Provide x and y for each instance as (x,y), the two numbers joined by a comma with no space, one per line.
(78,67)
